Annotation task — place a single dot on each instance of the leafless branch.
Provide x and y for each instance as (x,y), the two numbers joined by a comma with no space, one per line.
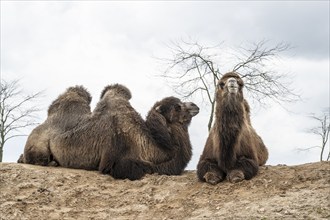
(307,149)
(194,67)
(17,111)
(322,130)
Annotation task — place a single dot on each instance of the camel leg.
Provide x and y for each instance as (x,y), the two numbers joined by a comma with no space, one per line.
(262,154)
(245,168)
(113,162)
(208,171)
(118,167)
(37,156)
(20,159)
(36,150)
(129,169)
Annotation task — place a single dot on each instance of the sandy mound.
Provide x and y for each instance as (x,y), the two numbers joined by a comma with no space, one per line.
(278,192)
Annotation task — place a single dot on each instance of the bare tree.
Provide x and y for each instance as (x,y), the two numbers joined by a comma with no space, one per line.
(322,130)
(194,68)
(16,111)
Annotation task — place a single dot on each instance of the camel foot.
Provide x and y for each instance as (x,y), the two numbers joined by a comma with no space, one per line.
(235,176)
(53,163)
(212,178)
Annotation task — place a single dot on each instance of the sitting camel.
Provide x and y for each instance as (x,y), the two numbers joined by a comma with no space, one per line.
(233,149)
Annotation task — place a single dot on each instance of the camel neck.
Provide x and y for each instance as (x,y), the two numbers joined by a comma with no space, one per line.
(229,116)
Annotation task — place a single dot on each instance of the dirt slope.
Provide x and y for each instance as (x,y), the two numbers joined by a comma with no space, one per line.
(278,192)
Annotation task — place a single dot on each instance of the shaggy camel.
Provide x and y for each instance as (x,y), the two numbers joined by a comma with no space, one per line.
(233,149)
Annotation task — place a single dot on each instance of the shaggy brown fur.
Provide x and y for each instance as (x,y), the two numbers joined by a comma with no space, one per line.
(168,123)
(63,114)
(114,138)
(233,148)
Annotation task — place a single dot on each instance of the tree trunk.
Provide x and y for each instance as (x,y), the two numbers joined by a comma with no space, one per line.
(1,152)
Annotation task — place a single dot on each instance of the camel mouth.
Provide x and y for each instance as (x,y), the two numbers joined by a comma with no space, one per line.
(192,108)
(233,89)
(193,112)
(232,85)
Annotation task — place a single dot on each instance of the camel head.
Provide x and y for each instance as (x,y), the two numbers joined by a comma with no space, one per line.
(230,84)
(175,111)
(116,91)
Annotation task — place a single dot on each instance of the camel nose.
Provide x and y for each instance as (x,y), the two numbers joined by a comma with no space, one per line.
(232,85)
(232,80)
(193,108)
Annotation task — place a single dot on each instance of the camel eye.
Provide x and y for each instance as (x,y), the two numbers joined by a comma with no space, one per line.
(177,107)
(240,83)
(221,85)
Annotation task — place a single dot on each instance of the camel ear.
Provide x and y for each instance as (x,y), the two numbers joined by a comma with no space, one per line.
(158,109)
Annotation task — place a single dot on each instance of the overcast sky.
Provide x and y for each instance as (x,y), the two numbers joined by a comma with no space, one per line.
(53,45)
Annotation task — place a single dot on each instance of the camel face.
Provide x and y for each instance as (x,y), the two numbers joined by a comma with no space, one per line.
(188,110)
(232,85)
(176,111)
(192,108)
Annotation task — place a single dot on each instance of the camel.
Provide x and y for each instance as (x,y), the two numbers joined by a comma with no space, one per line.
(233,149)
(63,114)
(114,138)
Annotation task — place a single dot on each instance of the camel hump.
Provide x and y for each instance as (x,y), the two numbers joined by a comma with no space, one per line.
(81,92)
(116,90)
(73,96)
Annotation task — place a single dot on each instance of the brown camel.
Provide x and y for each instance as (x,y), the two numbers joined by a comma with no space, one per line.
(233,149)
